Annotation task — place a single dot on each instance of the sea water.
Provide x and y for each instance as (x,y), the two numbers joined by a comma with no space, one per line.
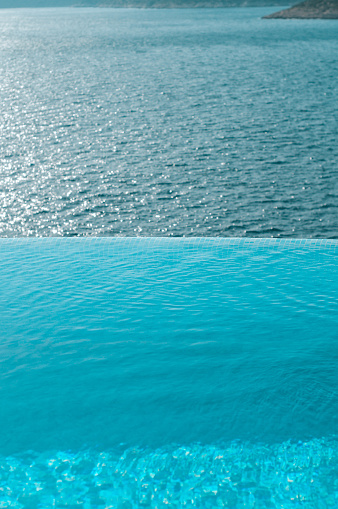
(182,372)
(195,122)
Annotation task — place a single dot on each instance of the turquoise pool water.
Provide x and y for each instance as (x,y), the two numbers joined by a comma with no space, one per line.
(155,372)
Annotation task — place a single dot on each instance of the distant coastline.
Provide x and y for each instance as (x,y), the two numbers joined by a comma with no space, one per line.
(310,9)
(183,4)
(143,4)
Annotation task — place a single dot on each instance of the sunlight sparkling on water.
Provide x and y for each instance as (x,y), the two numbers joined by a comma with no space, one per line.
(167,123)
(236,475)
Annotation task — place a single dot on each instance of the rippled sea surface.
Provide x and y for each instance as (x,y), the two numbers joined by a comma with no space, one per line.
(170,122)
(182,372)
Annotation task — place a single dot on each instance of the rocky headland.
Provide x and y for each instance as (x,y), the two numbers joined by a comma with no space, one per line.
(310,9)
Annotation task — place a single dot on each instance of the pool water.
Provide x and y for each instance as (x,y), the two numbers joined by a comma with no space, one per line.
(147,372)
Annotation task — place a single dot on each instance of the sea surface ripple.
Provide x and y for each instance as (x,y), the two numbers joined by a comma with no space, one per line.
(167,123)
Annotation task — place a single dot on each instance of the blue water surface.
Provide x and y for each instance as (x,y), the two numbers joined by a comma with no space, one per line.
(154,372)
(167,122)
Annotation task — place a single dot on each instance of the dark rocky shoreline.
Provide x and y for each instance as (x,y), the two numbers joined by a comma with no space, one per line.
(310,9)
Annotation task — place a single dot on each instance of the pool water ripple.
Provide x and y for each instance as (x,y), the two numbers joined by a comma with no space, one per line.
(146,372)
(286,475)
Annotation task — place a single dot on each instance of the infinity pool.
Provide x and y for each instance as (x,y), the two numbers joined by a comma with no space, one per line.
(142,372)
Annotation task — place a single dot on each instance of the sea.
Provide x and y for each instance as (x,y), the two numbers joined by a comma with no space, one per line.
(143,371)
(187,122)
